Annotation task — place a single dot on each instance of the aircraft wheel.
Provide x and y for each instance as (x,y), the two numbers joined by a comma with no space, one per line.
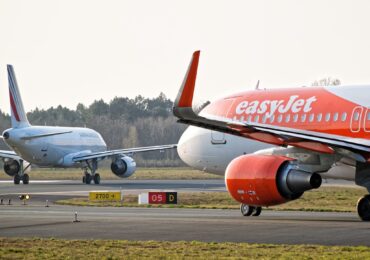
(257,211)
(246,210)
(17,179)
(25,178)
(88,178)
(363,208)
(97,178)
(84,179)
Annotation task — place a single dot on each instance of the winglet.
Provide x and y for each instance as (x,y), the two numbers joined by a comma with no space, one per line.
(18,115)
(185,96)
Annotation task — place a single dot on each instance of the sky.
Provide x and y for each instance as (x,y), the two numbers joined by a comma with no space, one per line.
(68,52)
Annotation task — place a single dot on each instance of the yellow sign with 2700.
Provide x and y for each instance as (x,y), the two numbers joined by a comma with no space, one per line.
(105,196)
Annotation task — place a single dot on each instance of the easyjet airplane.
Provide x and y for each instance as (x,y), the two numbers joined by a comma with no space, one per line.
(273,145)
(59,147)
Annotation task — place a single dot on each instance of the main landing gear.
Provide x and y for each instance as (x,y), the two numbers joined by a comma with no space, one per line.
(363,207)
(92,166)
(248,210)
(21,176)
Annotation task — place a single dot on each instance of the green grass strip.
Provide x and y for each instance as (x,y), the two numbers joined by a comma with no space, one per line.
(37,248)
(338,199)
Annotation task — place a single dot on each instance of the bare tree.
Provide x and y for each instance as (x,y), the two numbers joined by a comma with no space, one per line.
(326,82)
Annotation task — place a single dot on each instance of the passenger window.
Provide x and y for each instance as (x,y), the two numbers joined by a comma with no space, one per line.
(356,116)
(303,118)
(327,117)
(319,117)
(287,118)
(280,118)
(295,118)
(344,116)
(335,117)
(312,116)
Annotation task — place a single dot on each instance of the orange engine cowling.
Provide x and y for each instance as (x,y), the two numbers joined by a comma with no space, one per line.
(266,180)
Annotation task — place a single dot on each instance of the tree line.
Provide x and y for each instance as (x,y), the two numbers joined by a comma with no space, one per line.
(123,123)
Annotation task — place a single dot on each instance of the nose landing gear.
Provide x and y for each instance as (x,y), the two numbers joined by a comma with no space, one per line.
(248,210)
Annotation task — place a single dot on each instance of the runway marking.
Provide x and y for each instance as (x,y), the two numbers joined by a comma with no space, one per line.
(40,181)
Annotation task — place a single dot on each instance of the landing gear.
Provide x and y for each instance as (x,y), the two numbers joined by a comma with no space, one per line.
(248,210)
(363,208)
(21,175)
(26,178)
(17,179)
(88,178)
(97,178)
(90,173)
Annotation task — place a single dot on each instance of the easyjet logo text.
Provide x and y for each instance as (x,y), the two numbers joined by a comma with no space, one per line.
(294,105)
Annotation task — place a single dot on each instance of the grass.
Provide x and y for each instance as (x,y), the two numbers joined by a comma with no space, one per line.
(36,248)
(336,199)
(173,173)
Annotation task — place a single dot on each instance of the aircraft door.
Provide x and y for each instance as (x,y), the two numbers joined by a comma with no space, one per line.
(217,137)
(356,119)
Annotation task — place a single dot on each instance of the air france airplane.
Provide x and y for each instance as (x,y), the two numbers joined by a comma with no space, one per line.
(59,147)
(272,145)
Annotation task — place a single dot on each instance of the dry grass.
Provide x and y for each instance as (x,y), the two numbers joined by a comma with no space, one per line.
(324,199)
(36,248)
(176,173)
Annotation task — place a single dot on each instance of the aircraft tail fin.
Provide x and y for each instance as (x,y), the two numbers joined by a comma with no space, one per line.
(18,115)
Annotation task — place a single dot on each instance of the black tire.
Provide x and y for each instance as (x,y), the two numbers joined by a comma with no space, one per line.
(25,178)
(257,211)
(88,178)
(84,179)
(97,178)
(363,208)
(17,179)
(246,210)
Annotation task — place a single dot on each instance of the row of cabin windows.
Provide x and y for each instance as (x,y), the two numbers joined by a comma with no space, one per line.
(303,117)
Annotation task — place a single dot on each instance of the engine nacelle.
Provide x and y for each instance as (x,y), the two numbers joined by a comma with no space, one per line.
(123,166)
(12,167)
(267,180)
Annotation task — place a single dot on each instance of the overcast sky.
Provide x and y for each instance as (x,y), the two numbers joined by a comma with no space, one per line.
(66,52)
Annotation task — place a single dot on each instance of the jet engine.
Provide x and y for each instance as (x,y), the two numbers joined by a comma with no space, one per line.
(123,166)
(267,180)
(12,167)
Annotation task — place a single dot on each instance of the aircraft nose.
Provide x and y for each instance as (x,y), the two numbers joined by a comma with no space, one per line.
(182,146)
(191,145)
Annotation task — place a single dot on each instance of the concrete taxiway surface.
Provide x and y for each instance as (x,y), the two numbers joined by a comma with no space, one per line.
(36,220)
(183,224)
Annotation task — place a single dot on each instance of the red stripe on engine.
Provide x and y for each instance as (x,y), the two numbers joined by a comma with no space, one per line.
(14,108)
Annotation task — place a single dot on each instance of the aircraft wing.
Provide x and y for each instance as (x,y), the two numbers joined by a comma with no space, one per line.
(358,149)
(6,154)
(129,151)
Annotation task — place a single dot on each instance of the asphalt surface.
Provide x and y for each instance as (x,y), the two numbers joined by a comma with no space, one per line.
(36,220)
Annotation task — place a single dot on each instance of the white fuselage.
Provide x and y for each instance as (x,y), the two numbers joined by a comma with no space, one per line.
(54,150)
(212,151)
